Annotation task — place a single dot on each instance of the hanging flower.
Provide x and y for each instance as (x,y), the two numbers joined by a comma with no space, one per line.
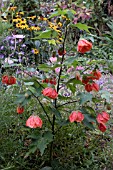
(102,127)
(103,117)
(76,116)
(34,122)
(50,92)
(84,46)
(20,110)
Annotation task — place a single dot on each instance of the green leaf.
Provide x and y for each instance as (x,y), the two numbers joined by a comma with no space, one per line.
(52,42)
(63,12)
(44,141)
(44,67)
(72,88)
(56,112)
(82,27)
(85,97)
(88,119)
(63,122)
(28,83)
(20,99)
(74,81)
(32,89)
(45,34)
(71,60)
(105,95)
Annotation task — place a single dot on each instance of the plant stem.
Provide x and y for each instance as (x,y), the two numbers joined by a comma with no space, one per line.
(55,103)
(43,109)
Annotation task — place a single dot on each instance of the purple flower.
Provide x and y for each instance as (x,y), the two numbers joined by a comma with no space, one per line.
(1,47)
(1,56)
(23,45)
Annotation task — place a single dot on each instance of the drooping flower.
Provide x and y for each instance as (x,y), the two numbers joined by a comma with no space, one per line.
(20,110)
(11,80)
(96,74)
(4,79)
(103,117)
(102,127)
(88,87)
(50,92)
(76,116)
(61,52)
(34,122)
(95,87)
(84,46)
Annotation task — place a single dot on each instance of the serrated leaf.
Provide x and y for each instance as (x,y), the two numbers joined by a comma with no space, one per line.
(82,27)
(105,95)
(45,34)
(85,97)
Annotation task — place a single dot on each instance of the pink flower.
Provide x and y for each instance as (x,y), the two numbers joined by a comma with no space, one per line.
(50,92)
(34,122)
(76,116)
(79,68)
(53,59)
(103,117)
(70,69)
(57,70)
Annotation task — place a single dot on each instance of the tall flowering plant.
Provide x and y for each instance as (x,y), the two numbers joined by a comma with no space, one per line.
(64,89)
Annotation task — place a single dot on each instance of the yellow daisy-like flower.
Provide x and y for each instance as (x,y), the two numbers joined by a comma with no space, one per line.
(16,20)
(35,51)
(64,17)
(42,18)
(18,25)
(24,26)
(13,8)
(23,21)
(59,24)
(29,29)
(20,13)
(35,28)
(32,17)
(54,27)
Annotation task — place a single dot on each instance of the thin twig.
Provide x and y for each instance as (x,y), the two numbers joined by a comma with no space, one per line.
(67,103)
(43,109)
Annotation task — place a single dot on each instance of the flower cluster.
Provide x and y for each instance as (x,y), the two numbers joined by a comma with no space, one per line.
(102,119)
(89,83)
